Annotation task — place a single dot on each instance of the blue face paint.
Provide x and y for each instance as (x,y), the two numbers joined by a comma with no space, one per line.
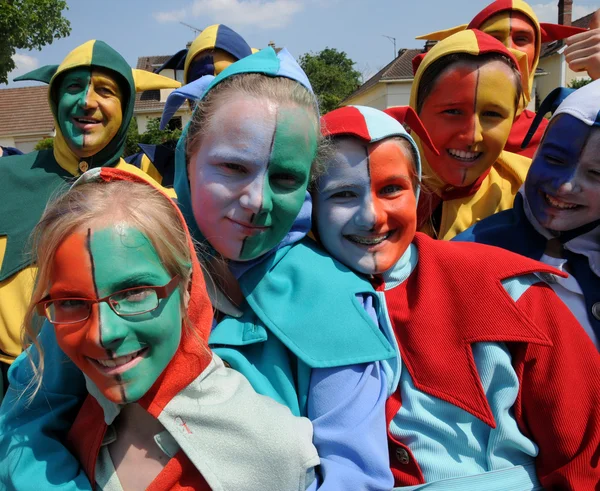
(563,184)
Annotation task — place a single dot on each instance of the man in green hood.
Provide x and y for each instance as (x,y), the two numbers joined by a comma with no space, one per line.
(92,96)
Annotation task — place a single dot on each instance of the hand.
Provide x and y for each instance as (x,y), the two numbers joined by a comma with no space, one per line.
(583,49)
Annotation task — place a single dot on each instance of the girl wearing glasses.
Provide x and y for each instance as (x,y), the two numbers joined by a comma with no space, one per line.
(127,300)
(298,325)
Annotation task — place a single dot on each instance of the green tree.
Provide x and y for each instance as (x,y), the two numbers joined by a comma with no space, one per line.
(46,143)
(133,138)
(155,136)
(332,76)
(29,24)
(579,82)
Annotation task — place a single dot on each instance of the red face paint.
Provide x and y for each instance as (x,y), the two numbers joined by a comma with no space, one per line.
(469,114)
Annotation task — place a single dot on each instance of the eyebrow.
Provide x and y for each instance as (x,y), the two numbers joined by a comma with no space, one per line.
(224,153)
(397,176)
(144,278)
(337,185)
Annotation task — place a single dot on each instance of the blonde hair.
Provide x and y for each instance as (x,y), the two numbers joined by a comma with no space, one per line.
(139,205)
(280,90)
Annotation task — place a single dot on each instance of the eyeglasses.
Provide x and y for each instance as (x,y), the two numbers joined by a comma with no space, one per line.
(124,303)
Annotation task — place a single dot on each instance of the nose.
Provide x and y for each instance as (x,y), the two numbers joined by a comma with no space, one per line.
(366,215)
(90,99)
(477,132)
(113,328)
(252,196)
(569,187)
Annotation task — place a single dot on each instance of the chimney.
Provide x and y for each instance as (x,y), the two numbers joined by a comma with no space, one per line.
(272,44)
(565,11)
(428,45)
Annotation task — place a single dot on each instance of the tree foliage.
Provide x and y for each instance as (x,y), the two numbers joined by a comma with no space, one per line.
(332,76)
(153,135)
(29,24)
(46,143)
(579,82)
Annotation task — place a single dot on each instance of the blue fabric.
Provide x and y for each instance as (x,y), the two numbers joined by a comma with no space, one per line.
(347,409)
(230,41)
(192,91)
(512,230)
(7,151)
(30,448)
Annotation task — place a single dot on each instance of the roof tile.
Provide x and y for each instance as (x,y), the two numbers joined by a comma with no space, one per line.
(25,110)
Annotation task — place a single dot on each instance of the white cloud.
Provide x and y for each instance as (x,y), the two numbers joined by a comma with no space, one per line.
(24,64)
(548,12)
(172,16)
(268,14)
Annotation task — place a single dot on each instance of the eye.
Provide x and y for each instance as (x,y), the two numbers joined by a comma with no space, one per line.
(554,160)
(74,87)
(522,40)
(595,173)
(69,304)
(493,114)
(343,195)
(105,91)
(138,295)
(391,190)
(452,112)
(284,180)
(231,168)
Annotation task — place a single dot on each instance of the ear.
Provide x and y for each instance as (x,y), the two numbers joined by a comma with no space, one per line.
(42,74)
(441,35)
(549,104)
(406,114)
(145,80)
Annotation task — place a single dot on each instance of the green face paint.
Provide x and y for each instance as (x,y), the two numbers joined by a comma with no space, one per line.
(89,109)
(123,356)
(285,181)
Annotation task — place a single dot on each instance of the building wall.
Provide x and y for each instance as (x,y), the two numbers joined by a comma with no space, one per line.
(142,119)
(375,97)
(7,141)
(398,93)
(547,83)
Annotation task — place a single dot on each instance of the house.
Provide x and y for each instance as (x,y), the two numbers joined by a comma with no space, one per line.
(25,117)
(552,58)
(150,104)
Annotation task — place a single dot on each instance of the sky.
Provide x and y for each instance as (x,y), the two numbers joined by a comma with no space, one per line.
(153,27)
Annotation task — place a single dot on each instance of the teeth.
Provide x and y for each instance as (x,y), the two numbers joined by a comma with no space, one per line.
(83,120)
(370,240)
(116,362)
(559,204)
(461,154)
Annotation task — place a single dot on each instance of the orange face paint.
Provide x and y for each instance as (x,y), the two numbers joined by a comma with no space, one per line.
(72,276)
(469,115)
(365,210)
(514,30)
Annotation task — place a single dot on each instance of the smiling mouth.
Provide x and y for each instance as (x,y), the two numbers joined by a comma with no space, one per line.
(369,240)
(85,121)
(463,156)
(559,204)
(119,364)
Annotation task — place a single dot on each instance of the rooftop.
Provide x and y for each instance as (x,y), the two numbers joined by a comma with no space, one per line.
(25,110)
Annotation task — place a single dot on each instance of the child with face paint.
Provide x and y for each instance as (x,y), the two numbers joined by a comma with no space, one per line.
(124,291)
(212,51)
(484,392)
(467,91)
(297,324)
(556,216)
(514,24)
(91,95)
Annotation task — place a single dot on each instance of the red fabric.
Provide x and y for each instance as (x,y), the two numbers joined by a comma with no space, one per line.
(179,475)
(518,131)
(416,62)
(346,120)
(455,298)
(555,32)
(491,10)
(406,115)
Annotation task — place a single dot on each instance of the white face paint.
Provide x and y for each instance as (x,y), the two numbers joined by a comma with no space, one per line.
(365,205)
(248,179)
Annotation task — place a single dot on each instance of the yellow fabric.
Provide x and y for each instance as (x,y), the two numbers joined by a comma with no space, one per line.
(145,80)
(206,40)
(80,56)
(517,6)
(506,176)
(15,292)
(148,167)
(496,194)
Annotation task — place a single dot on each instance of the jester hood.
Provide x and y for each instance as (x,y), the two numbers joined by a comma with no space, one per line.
(265,62)
(506,174)
(215,37)
(545,32)
(97,54)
